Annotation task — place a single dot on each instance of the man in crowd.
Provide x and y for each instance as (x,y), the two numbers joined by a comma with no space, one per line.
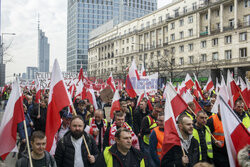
(156,140)
(20,129)
(140,113)
(219,150)
(121,153)
(82,110)
(40,157)
(71,149)
(109,137)
(98,126)
(175,157)
(202,135)
(124,108)
(243,116)
(39,117)
(188,112)
(64,128)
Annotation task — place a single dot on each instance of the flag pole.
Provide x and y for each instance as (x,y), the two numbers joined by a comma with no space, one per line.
(83,137)
(27,142)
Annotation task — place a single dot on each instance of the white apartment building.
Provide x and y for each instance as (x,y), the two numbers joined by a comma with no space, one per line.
(200,36)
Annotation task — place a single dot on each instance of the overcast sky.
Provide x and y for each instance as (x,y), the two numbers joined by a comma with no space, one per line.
(20,17)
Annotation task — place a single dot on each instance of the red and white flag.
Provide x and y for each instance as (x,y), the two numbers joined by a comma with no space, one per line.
(119,86)
(174,105)
(115,104)
(145,95)
(132,79)
(236,135)
(90,95)
(244,92)
(81,75)
(197,86)
(111,82)
(189,82)
(182,88)
(58,99)
(72,88)
(209,86)
(233,89)
(187,97)
(38,91)
(13,115)
(143,71)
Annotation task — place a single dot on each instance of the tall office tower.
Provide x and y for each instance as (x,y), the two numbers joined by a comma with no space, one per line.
(86,15)
(43,52)
(31,72)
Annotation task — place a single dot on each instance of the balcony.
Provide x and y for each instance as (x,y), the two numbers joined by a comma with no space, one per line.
(204,33)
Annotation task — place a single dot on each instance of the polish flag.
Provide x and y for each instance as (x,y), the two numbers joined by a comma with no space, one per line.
(224,91)
(209,86)
(72,89)
(90,95)
(189,82)
(244,92)
(236,135)
(132,79)
(182,88)
(81,75)
(197,85)
(111,83)
(187,97)
(119,86)
(115,104)
(233,89)
(143,71)
(13,115)
(58,99)
(38,91)
(145,95)
(174,105)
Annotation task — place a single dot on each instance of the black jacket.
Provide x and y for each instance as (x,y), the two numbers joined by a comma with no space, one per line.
(174,156)
(139,115)
(65,151)
(24,161)
(137,157)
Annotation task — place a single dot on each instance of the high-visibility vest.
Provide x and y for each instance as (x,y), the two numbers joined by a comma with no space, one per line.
(189,115)
(90,121)
(160,137)
(109,158)
(152,124)
(246,121)
(218,129)
(208,142)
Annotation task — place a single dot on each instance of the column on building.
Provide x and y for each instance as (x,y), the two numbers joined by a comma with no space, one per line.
(235,14)
(221,17)
(198,24)
(209,21)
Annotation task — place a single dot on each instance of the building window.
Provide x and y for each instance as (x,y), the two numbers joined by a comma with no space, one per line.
(154,21)
(194,6)
(228,39)
(140,57)
(191,59)
(172,37)
(243,36)
(128,40)
(231,23)
(181,48)
(181,21)
(123,42)
(215,56)
(190,19)
(152,55)
(160,19)
(190,32)
(142,26)
(127,58)
(231,8)
(215,42)
(228,54)
(243,52)
(184,9)
(173,62)
(172,26)
(122,50)
(203,44)
(172,50)
(176,12)
(132,57)
(246,20)
(181,61)
(181,35)
(218,25)
(246,3)
(217,13)
(190,47)
(145,56)
(206,16)
(203,57)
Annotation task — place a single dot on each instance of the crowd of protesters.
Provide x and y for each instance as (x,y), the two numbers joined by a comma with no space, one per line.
(133,138)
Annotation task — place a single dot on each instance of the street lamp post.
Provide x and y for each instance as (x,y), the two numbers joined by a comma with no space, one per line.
(2,65)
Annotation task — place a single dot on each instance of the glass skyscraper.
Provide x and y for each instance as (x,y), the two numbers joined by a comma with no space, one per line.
(86,15)
(43,52)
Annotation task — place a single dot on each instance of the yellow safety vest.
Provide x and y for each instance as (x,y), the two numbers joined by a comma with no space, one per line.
(109,158)
(152,124)
(246,121)
(208,142)
(106,122)
(189,115)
